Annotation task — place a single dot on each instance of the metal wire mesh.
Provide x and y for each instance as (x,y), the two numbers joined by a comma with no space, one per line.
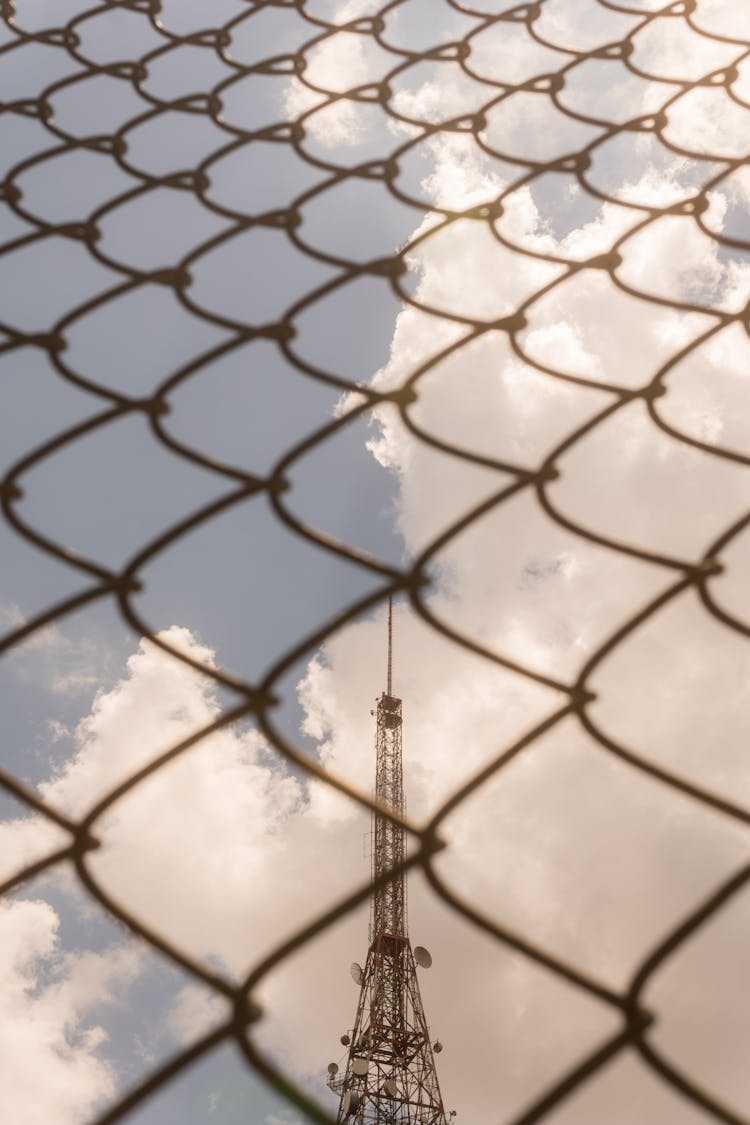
(312,30)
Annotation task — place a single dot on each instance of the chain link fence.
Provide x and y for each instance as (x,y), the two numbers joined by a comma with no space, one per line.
(239,73)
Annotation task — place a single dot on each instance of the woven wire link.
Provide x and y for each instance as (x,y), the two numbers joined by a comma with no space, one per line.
(257,700)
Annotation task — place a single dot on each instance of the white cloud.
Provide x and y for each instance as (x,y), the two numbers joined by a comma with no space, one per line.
(57,731)
(339,63)
(194,1010)
(54,659)
(51,1067)
(589,856)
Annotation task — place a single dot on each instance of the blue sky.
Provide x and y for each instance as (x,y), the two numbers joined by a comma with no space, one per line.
(243,583)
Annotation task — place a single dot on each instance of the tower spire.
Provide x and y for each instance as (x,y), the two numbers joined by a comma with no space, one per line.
(390,644)
(389,1074)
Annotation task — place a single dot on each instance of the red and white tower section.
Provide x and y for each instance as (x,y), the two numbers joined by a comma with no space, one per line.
(389,1075)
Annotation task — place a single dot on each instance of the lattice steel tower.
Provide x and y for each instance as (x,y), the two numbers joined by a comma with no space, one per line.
(389,1077)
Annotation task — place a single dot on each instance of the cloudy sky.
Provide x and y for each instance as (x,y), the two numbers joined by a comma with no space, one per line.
(546,493)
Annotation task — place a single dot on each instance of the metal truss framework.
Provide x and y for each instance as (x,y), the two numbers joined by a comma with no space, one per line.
(390,1076)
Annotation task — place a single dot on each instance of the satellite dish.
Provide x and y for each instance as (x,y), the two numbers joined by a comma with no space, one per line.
(350,1104)
(333,1069)
(390,1087)
(360,1067)
(437,1046)
(358,973)
(345,1040)
(422,957)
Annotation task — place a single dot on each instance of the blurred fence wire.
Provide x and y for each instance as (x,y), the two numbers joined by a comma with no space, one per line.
(312,27)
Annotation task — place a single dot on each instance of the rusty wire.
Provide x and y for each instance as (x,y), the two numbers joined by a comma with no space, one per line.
(257,701)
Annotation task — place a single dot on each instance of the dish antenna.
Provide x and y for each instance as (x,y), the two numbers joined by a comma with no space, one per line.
(390,1087)
(333,1069)
(350,1104)
(357,972)
(345,1040)
(360,1067)
(422,956)
(437,1046)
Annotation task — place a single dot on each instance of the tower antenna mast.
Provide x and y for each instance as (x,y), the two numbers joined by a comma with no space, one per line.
(390,644)
(389,1074)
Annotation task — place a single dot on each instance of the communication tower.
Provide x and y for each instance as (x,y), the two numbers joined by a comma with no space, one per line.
(389,1075)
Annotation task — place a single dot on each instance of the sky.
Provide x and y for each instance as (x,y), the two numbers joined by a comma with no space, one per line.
(230,849)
